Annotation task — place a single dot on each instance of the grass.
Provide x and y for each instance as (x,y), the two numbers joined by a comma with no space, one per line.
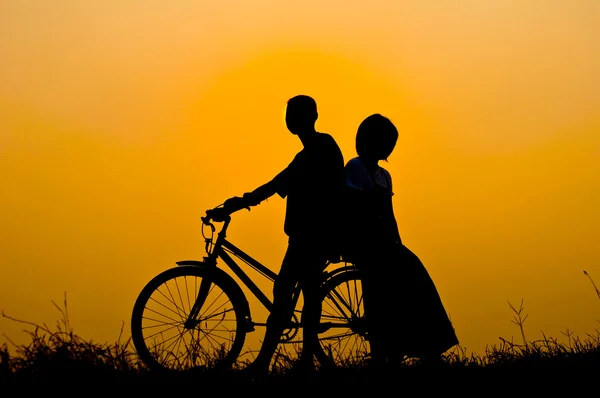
(57,356)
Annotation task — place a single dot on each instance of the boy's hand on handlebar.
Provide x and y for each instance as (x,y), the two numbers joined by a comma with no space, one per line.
(218,214)
(236,203)
(230,206)
(251,199)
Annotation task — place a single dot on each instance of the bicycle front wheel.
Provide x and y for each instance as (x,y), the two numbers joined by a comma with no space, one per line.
(343,336)
(167,336)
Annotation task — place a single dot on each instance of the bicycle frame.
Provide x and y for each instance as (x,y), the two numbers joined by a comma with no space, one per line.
(221,249)
(225,250)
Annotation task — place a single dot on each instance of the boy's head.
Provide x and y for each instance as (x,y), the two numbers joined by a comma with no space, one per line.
(301,113)
(376,137)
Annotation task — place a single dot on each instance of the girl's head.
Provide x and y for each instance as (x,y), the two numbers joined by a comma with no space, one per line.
(376,138)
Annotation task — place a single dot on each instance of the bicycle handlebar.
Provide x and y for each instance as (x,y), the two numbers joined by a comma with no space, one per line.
(222,212)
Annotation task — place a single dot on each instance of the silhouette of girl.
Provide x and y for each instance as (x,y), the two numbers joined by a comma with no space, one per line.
(403,309)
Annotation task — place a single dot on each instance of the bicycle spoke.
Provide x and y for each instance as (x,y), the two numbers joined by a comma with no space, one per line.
(179,293)
(174,321)
(160,303)
(187,293)
(171,300)
(207,309)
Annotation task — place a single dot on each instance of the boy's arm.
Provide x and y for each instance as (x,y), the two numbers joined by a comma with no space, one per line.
(259,194)
(276,185)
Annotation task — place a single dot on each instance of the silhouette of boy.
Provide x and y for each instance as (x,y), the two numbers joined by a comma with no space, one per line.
(313,185)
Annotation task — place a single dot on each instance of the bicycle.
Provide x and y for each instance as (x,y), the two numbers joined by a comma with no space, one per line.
(195,315)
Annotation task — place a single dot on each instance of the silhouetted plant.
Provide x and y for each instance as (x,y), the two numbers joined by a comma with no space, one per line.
(60,350)
(593,284)
(519,320)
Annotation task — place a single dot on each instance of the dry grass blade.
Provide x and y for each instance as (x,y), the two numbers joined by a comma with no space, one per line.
(519,320)
(593,284)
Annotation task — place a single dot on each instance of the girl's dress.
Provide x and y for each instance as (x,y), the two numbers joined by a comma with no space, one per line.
(402,306)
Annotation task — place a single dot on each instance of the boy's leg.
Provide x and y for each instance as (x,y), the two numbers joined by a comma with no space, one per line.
(311,314)
(281,311)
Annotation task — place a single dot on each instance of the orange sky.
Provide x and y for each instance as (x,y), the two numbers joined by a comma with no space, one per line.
(121,122)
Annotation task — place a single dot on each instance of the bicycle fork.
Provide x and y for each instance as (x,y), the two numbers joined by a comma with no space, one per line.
(192,321)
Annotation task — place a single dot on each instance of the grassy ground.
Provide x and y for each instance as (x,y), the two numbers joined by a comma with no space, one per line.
(58,357)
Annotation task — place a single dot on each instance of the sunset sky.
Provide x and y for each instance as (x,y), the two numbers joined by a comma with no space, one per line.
(122,121)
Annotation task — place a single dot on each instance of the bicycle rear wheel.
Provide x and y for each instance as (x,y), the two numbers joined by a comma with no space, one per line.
(165,337)
(343,336)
